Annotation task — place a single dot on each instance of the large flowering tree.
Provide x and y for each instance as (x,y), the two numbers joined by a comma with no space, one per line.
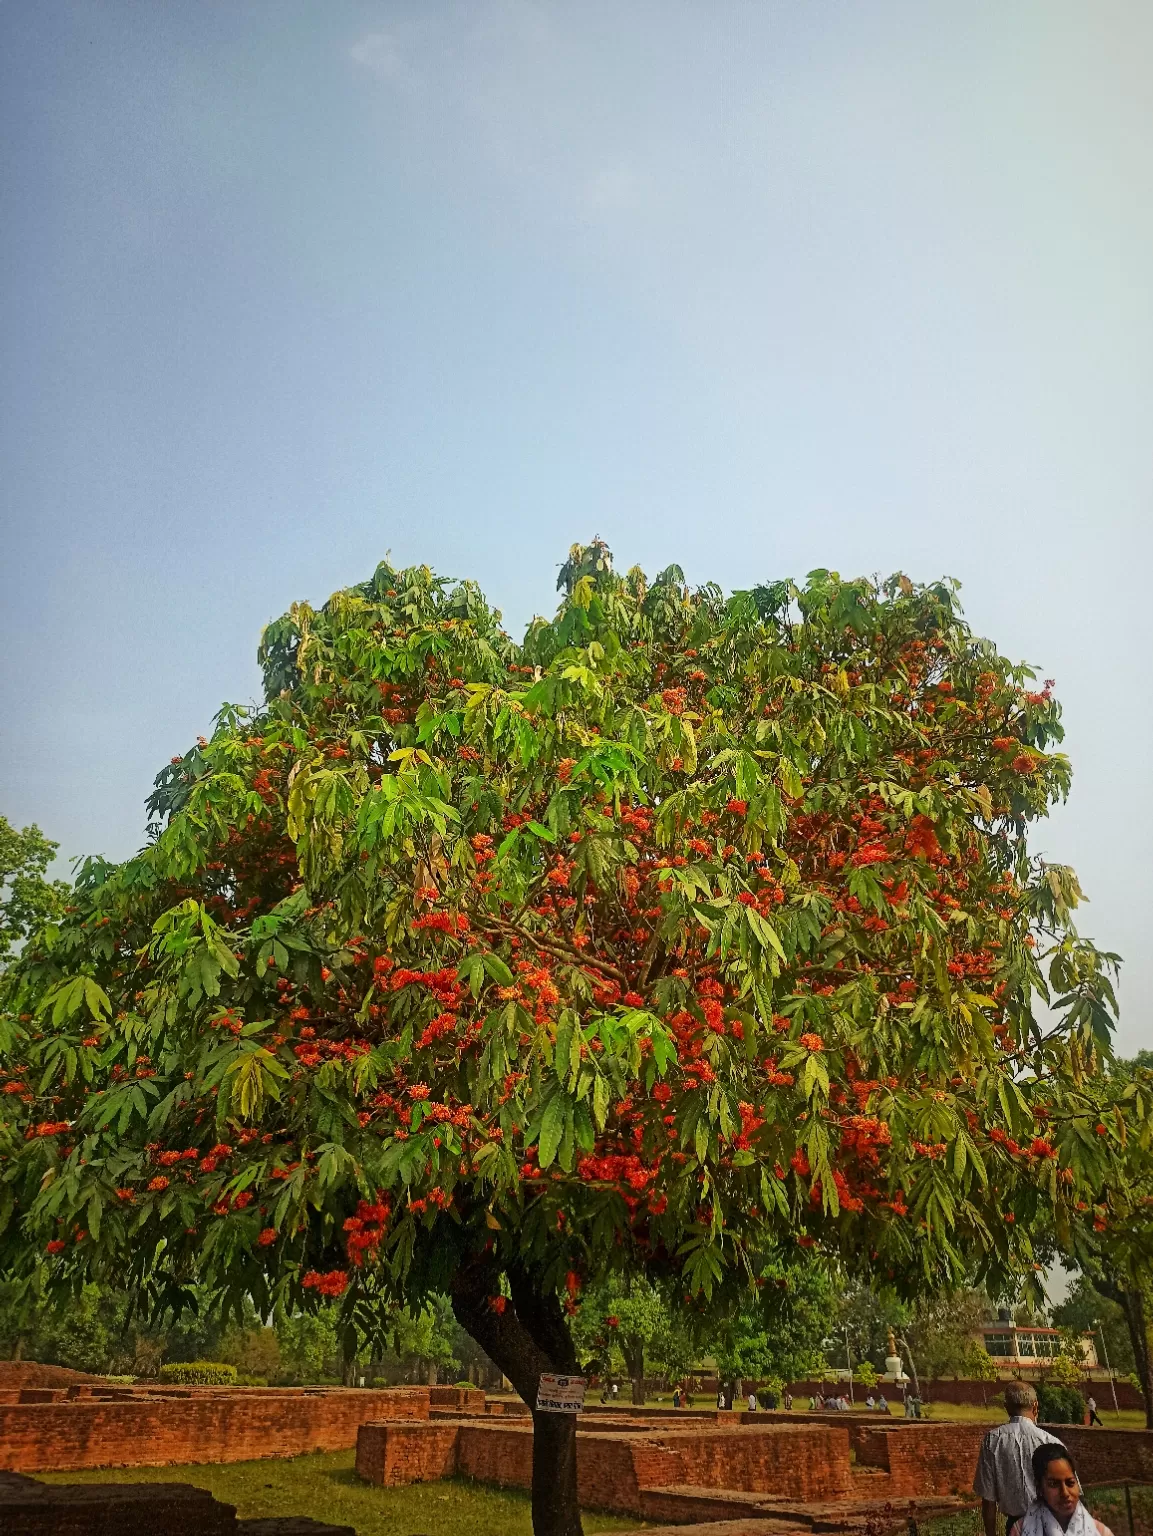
(690,932)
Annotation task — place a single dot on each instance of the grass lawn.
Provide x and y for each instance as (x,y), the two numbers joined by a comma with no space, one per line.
(966,1413)
(1127,1418)
(325,1486)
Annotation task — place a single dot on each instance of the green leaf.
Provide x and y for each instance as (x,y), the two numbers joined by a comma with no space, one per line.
(552,1128)
(600,1102)
(255,1077)
(498,970)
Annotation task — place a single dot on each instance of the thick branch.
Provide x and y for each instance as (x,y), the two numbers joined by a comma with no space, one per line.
(554,947)
(501,1334)
(542,1314)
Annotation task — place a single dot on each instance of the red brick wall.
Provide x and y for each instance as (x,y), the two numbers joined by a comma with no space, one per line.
(922,1458)
(30,1373)
(933,1458)
(150,1430)
(1108,1455)
(615,1469)
(406,1452)
(803,1461)
(463,1399)
(501,1453)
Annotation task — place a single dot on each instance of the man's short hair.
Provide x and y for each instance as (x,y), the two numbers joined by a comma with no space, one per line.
(1019,1396)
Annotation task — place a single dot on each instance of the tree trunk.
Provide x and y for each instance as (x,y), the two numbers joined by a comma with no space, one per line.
(1137,1319)
(526,1338)
(912,1367)
(635,1355)
(1140,1325)
(432,1373)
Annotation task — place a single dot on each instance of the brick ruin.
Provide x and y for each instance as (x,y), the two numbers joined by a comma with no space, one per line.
(29,1508)
(771,1473)
(775,1473)
(61,1429)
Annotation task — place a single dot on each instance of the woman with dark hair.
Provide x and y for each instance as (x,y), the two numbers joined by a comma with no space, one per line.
(1057,1510)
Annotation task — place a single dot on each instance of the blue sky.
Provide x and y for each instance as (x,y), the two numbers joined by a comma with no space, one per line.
(751,287)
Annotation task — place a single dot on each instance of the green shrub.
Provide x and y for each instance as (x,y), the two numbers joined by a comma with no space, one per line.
(121,1381)
(465,1386)
(198,1373)
(1060,1405)
(1064,1372)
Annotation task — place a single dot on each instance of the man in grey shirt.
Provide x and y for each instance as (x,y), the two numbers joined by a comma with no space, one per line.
(1004,1477)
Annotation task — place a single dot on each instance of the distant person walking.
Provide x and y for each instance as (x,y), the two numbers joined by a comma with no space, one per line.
(1004,1480)
(1094,1416)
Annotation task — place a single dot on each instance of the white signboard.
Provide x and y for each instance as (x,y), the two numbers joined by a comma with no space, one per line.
(560,1394)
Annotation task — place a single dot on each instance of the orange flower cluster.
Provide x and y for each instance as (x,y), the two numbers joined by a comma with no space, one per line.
(332,1283)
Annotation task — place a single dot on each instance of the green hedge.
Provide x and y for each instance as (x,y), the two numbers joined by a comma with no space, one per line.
(199,1373)
(1059,1405)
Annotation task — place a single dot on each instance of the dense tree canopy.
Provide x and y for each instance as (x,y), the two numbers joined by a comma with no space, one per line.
(27,899)
(690,932)
(1114,1250)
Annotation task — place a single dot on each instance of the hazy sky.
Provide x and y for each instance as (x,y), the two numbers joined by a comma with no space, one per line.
(751,287)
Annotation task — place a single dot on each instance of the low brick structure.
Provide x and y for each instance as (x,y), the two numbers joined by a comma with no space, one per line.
(833,1469)
(1108,1455)
(618,1466)
(29,1508)
(460,1399)
(31,1373)
(135,1427)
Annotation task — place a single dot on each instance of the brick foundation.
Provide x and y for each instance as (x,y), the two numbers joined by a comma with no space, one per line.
(134,1428)
(1108,1455)
(29,1508)
(30,1373)
(615,1469)
(657,1464)
(460,1399)
(399,1452)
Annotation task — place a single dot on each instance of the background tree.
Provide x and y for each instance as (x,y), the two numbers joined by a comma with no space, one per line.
(944,1333)
(309,1344)
(867,1315)
(688,934)
(1087,1310)
(778,1333)
(426,1334)
(27,899)
(627,1326)
(1110,1236)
